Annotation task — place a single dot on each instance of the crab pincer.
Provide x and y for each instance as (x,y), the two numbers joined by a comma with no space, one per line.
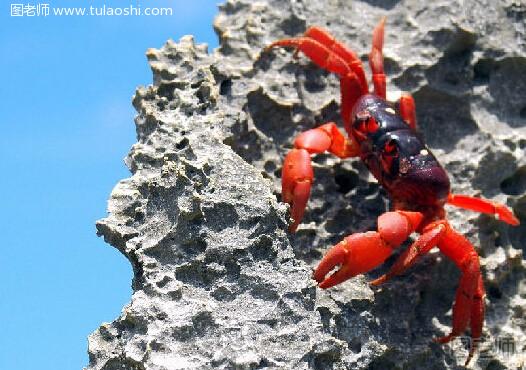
(297,178)
(355,254)
(297,174)
(361,252)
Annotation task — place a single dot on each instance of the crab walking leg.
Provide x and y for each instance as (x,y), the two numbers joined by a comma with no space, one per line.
(326,39)
(361,252)
(483,206)
(469,298)
(318,53)
(376,59)
(429,239)
(350,93)
(407,109)
(297,174)
(333,62)
(477,317)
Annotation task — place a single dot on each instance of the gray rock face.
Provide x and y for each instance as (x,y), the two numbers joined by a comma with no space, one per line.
(218,281)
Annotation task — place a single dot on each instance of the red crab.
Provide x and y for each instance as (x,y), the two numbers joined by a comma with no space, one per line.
(387,141)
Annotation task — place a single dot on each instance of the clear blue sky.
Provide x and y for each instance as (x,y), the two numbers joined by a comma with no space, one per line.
(66,124)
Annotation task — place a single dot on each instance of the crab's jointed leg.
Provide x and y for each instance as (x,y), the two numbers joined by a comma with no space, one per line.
(326,39)
(427,241)
(406,108)
(469,299)
(349,94)
(328,53)
(483,206)
(320,54)
(297,174)
(361,252)
(376,59)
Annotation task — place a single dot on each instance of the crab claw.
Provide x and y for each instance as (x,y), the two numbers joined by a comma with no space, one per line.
(355,255)
(337,255)
(296,178)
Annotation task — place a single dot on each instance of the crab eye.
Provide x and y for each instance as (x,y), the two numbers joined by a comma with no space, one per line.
(389,154)
(361,126)
(364,125)
(391,148)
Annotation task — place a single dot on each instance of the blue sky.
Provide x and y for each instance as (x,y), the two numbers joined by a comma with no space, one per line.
(66,125)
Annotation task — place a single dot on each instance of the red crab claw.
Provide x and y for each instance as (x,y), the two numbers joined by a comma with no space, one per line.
(356,254)
(297,176)
(361,252)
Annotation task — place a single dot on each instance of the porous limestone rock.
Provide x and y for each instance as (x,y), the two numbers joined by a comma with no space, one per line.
(218,281)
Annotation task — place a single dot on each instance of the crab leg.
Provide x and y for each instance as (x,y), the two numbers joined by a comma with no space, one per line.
(407,109)
(376,59)
(350,89)
(327,53)
(318,53)
(429,239)
(350,93)
(483,206)
(326,39)
(297,174)
(469,298)
(361,252)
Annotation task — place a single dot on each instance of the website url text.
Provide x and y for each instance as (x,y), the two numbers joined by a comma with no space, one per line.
(45,10)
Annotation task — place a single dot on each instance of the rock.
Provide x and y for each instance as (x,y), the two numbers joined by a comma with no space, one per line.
(218,281)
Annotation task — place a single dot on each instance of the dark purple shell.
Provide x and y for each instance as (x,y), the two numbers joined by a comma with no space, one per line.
(415,178)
